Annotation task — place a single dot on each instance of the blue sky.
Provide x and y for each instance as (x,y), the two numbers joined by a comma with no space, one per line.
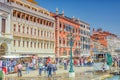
(103,14)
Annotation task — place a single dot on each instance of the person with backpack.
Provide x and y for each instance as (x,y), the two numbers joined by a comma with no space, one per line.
(40,65)
(49,69)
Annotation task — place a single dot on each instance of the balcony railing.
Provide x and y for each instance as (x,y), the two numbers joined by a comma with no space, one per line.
(32,36)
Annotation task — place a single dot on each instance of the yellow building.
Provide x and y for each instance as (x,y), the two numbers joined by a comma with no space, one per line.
(32,29)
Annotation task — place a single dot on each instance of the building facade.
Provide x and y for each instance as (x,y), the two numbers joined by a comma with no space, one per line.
(64,26)
(31,27)
(113,45)
(101,36)
(85,38)
(105,39)
(5,29)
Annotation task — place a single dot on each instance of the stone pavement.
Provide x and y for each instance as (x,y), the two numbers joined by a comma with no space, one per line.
(82,73)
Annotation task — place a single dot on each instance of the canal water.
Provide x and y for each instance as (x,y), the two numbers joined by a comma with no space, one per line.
(114,78)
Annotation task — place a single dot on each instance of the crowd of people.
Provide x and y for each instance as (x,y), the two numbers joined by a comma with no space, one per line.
(47,65)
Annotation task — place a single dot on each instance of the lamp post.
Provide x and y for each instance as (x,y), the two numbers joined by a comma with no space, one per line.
(71,42)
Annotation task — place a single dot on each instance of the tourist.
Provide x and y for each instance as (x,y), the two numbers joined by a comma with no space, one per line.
(49,69)
(40,65)
(54,68)
(19,70)
(65,64)
(27,67)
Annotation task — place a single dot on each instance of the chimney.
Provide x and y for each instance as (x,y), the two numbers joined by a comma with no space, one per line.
(57,11)
(63,13)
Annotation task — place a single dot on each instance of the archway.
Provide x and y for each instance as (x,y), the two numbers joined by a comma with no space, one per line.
(3,49)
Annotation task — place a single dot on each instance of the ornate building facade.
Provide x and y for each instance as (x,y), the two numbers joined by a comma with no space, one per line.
(81,40)
(31,27)
(5,32)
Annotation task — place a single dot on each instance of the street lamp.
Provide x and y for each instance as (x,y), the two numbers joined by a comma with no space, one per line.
(71,42)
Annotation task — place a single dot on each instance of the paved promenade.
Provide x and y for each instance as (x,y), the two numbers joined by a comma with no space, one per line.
(34,73)
(81,73)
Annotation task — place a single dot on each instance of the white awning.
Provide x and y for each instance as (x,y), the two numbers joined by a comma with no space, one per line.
(10,56)
(64,56)
(46,55)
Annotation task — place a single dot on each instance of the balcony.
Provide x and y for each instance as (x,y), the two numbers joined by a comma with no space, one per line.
(30,11)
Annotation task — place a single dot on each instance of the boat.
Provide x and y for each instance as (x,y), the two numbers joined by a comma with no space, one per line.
(100,62)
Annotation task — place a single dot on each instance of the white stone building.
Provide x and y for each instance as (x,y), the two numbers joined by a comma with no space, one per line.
(113,45)
(26,29)
(85,38)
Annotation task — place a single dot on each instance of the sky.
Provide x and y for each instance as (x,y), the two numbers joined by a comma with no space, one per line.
(103,14)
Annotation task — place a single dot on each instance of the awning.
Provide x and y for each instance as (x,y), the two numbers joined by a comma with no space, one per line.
(64,56)
(46,55)
(11,56)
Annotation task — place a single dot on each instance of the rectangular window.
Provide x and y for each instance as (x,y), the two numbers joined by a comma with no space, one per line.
(27,43)
(3,25)
(31,31)
(31,44)
(44,45)
(23,43)
(23,29)
(41,45)
(38,32)
(34,45)
(41,33)
(38,45)
(34,31)
(14,43)
(27,30)
(19,28)
(19,43)
(14,27)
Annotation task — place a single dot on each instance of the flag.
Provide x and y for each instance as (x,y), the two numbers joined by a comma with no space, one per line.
(109,59)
